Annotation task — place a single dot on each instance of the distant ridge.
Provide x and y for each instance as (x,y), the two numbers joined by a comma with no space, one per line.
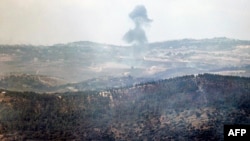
(184,40)
(84,60)
(207,41)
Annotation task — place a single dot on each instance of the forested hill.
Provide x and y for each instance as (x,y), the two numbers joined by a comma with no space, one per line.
(183,108)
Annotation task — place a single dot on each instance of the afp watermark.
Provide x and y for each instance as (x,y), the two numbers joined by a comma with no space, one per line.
(237,132)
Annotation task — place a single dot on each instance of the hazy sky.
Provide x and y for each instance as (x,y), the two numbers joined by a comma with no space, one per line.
(47,22)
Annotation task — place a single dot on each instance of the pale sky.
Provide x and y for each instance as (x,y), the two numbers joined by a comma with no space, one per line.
(46,22)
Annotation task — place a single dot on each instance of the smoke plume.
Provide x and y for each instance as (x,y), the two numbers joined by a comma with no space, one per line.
(140,18)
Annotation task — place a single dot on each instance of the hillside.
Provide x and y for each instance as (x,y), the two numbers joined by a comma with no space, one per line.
(80,61)
(103,83)
(27,82)
(183,108)
(48,84)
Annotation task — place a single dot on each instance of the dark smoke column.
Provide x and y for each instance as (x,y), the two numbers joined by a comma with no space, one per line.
(137,35)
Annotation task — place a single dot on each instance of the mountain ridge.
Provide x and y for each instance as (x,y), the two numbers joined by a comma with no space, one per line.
(218,39)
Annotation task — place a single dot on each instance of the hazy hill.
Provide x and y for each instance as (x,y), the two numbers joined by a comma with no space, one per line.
(27,82)
(103,83)
(80,61)
(218,43)
(182,108)
(47,84)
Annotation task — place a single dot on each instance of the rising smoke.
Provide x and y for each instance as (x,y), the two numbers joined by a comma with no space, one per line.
(140,18)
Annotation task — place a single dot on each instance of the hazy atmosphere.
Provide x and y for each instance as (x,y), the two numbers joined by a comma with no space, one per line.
(49,22)
(124,70)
